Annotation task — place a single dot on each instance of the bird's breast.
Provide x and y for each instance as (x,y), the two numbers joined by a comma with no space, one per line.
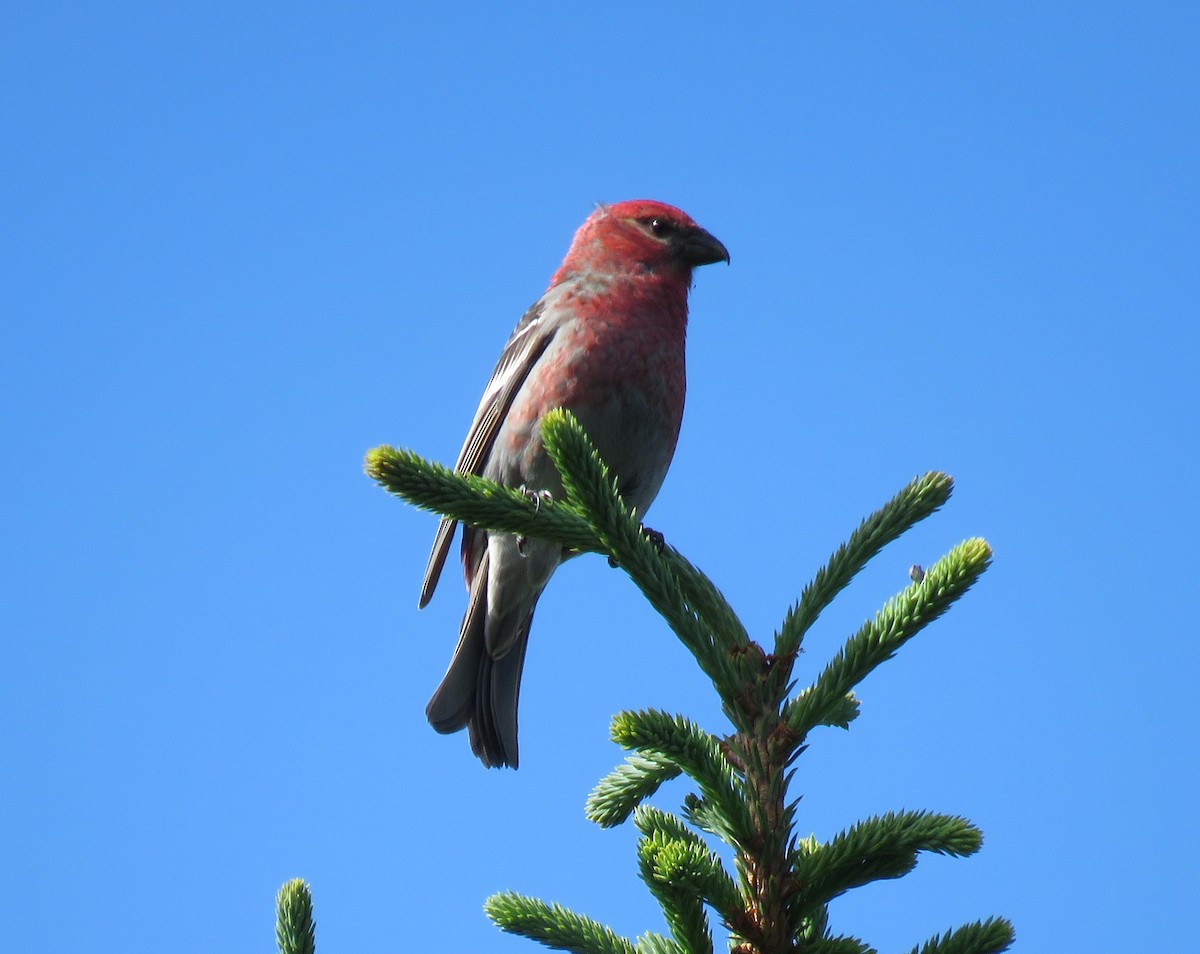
(624,379)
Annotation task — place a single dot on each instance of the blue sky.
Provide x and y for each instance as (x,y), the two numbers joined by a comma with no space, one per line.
(243,244)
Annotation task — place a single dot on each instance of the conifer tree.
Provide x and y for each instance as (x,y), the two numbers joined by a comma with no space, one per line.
(775,899)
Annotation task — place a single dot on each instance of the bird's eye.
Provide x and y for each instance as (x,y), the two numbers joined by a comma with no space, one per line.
(660,227)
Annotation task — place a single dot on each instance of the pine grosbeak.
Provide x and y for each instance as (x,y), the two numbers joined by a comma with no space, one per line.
(606,342)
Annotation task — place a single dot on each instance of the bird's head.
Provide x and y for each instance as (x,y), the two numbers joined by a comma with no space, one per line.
(641,236)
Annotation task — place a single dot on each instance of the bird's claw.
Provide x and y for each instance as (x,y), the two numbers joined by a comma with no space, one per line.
(657,540)
(536,497)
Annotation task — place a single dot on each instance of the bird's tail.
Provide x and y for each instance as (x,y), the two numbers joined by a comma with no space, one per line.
(480,692)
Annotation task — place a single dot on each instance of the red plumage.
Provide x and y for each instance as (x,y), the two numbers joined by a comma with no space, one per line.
(606,342)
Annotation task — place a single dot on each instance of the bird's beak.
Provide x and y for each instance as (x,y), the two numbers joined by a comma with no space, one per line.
(703,248)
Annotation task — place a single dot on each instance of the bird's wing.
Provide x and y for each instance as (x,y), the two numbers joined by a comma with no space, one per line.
(529,341)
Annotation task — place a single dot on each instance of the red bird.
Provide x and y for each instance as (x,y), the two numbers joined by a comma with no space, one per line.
(606,342)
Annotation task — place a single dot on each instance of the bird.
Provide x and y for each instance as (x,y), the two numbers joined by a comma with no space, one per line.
(605,342)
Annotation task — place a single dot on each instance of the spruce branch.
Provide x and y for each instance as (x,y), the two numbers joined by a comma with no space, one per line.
(295,930)
(839,714)
(689,863)
(553,925)
(704,815)
(652,943)
(905,615)
(682,906)
(879,848)
(983,937)
(477,501)
(699,755)
(616,795)
(838,945)
(922,497)
(649,819)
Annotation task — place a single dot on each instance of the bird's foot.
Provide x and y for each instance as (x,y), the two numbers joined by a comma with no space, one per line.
(536,497)
(657,540)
